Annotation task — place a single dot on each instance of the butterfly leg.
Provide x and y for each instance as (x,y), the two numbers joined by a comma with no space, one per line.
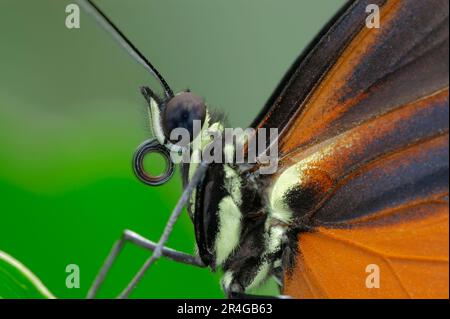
(135,238)
(158,248)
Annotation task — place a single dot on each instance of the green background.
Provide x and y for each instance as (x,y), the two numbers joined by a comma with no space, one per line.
(71,116)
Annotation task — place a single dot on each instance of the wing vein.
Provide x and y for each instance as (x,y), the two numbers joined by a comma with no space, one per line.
(383,254)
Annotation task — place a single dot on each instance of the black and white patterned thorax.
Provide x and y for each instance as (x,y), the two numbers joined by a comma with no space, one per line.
(240,218)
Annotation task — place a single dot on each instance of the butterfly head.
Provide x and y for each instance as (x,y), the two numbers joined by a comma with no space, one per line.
(176,121)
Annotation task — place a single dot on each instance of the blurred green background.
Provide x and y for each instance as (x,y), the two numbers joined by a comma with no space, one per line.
(71,116)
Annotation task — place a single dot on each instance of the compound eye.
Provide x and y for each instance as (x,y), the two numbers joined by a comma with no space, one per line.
(181,112)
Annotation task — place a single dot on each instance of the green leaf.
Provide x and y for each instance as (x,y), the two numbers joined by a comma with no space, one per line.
(17,281)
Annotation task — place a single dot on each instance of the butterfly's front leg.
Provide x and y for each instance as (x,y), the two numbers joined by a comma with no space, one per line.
(135,238)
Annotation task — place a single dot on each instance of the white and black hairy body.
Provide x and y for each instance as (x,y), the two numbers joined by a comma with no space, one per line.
(242,223)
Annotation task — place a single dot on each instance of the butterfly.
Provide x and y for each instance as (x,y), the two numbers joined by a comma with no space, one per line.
(358,204)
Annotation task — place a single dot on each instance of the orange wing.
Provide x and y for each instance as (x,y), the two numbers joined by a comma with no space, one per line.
(369,135)
(380,70)
(351,74)
(408,259)
(378,200)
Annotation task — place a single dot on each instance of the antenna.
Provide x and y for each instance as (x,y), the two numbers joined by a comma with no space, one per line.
(123,41)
